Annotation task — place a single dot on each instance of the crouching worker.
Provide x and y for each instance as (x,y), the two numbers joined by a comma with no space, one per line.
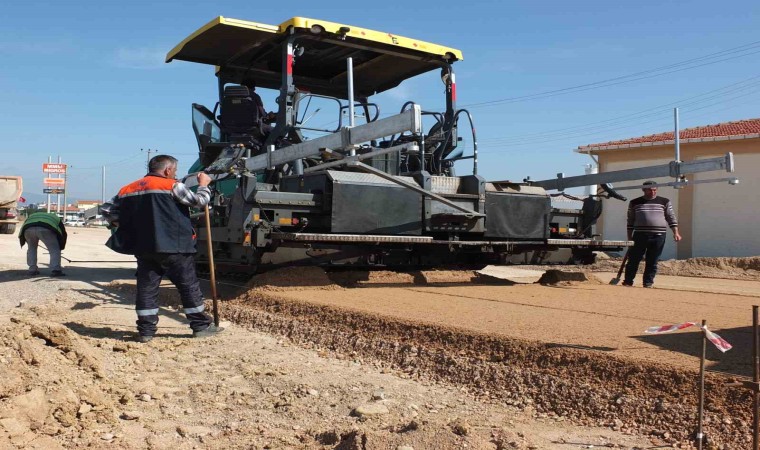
(152,220)
(48,228)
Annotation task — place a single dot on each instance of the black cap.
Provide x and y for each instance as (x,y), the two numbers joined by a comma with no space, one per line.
(649,182)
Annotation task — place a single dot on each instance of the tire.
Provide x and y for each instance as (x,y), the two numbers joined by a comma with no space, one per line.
(8,228)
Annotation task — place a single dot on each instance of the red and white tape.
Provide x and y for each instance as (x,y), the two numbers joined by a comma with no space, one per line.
(669,328)
(720,343)
(717,341)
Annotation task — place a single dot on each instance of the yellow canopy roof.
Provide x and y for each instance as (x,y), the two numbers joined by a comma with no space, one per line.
(243,49)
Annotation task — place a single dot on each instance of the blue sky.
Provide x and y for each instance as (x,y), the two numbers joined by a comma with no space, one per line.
(86,80)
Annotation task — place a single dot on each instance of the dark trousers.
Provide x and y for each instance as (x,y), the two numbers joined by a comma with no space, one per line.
(180,269)
(649,244)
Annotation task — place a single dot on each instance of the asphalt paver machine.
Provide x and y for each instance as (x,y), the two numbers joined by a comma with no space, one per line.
(380,192)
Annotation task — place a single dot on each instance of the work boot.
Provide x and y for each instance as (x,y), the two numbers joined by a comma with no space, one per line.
(33,273)
(144,339)
(211,330)
(648,285)
(628,283)
(57,273)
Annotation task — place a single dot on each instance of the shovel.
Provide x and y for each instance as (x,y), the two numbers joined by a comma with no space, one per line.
(616,280)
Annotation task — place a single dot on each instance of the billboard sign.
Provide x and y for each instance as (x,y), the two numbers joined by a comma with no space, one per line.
(54,168)
(53,191)
(54,182)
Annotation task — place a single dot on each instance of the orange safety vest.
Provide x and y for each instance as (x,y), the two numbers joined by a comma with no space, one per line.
(151,220)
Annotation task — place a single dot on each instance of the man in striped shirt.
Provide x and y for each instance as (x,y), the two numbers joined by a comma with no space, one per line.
(649,218)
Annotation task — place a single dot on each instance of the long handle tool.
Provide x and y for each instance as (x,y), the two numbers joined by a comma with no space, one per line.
(210,250)
(616,280)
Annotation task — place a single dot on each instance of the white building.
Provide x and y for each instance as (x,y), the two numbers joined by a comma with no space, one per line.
(715,219)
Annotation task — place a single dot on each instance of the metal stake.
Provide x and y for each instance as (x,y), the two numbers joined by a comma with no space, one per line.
(754,385)
(701,408)
(755,379)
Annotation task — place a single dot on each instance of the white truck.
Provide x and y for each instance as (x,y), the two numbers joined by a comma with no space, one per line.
(10,191)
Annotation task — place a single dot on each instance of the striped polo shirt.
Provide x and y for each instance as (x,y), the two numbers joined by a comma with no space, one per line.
(651,215)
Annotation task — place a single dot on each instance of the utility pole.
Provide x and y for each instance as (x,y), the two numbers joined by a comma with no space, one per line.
(103,187)
(150,150)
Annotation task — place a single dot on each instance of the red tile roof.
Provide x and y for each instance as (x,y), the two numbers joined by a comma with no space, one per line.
(725,129)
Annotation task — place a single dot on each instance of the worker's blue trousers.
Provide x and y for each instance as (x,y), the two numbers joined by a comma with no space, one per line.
(180,269)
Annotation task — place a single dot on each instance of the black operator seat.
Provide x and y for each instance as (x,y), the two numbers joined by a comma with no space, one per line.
(240,114)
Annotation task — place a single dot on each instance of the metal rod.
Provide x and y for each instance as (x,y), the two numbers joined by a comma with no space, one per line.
(673,169)
(90,261)
(212,271)
(755,378)
(350,73)
(701,408)
(677,135)
(409,120)
(730,180)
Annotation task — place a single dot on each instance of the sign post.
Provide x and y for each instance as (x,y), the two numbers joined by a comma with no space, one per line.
(55,185)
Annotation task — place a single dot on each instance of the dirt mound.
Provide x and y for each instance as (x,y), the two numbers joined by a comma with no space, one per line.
(449,276)
(52,386)
(733,268)
(565,278)
(747,268)
(293,278)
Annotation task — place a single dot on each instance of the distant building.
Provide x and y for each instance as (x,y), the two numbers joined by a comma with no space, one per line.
(71,212)
(715,219)
(87,204)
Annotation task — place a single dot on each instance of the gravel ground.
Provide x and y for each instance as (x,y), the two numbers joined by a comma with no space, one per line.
(364,360)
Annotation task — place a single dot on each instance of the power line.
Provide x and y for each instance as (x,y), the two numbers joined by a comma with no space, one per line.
(490,146)
(689,63)
(98,167)
(643,113)
(745,87)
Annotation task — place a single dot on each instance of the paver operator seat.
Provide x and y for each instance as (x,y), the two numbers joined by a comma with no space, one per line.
(239,117)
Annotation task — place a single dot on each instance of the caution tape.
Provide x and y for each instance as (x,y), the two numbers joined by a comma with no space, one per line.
(719,343)
(669,328)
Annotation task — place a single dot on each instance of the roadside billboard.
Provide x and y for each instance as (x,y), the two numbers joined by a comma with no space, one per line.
(54,182)
(54,168)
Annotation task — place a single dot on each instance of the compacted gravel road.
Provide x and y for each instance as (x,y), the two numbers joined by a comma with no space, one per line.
(381,360)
